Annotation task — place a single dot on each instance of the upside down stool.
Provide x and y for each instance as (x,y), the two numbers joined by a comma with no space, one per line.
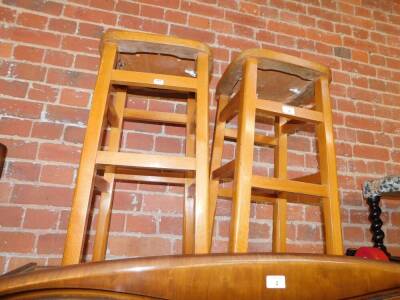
(259,84)
(135,60)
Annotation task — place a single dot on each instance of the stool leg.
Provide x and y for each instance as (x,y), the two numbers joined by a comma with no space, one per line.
(280,171)
(188,216)
(104,216)
(84,184)
(216,159)
(201,194)
(239,230)
(327,158)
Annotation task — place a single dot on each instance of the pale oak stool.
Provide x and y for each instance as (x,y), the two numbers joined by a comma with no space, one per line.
(134,60)
(259,84)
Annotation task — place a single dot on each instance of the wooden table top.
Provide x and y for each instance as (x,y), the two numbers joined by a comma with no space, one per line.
(248,276)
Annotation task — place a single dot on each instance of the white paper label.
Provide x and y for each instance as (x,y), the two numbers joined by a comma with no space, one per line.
(158,81)
(276,282)
(287,109)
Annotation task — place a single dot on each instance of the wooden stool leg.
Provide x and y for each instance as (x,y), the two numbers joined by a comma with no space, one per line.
(83,189)
(327,157)
(189,215)
(280,205)
(104,216)
(216,159)
(202,148)
(244,160)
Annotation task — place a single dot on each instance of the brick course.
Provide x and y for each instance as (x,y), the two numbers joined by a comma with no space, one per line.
(48,62)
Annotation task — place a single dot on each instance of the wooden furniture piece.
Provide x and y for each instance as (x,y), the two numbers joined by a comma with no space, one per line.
(149,63)
(246,276)
(3,153)
(259,84)
(373,190)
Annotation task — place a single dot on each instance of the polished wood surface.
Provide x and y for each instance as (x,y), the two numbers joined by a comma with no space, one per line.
(3,152)
(239,88)
(101,166)
(210,277)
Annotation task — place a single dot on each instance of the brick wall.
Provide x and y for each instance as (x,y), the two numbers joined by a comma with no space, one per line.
(48,66)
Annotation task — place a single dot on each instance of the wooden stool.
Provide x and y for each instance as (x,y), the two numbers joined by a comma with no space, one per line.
(259,84)
(143,61)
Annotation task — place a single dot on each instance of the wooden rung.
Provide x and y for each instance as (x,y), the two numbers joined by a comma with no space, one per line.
(112,115)
(231,109)
(225,171)
(161,117)
(227,193)
(137,160)
(261,140)
(152,80)
(101,184)
(295,125)
(311,178)
(284,185)
(153,179)
(290,112)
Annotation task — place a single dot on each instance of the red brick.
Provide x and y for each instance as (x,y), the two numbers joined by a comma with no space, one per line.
(57,174)
(43,92)
(28,53)
(363,123)
(127,7)
(34,37)
(236,43)
(62,25)
(5,50)
(141,224)
(130,22)
(32,20)
(371,152)
(71,78)
(162,202)
(57,152)
(259,231)
(87,62)
(28,72)
(185,32)
(51,243)
(168,144)
(151,12)
(175,16)
(66,114)
(20,148)
(13,88)
(240,18)
(48,131)
(43,6)
(171,225)
(199,22)
(42,195)
(5,192)
(10,216)
(103,4)
(24,171)
(7,15)
(90,15)
(90,30)
(143,246)
(139,141)
(74,97)
(20,242)
(307,232)
(353,234)
(286,28)
(58,58)
(74,134)
(40,219)
(15,127)
(79,44)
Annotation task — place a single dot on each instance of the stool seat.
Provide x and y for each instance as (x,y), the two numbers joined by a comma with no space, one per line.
(155,53)
(281,77)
